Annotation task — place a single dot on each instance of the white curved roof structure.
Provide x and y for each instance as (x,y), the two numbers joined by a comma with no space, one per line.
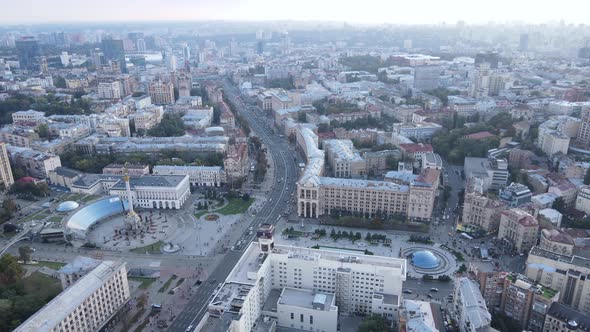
(77,224)
(67,206)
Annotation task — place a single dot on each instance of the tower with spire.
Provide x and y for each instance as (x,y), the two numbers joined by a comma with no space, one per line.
(132,220)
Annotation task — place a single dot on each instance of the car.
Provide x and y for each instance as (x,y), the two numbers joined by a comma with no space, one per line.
(407,291)
(433,289)
(429,296)
(189,328)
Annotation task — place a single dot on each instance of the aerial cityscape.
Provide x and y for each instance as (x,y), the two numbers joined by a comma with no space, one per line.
(253,166)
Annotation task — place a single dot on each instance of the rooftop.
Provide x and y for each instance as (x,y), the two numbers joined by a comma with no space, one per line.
(71,298)
(570,316)
(363,184)
(306,298)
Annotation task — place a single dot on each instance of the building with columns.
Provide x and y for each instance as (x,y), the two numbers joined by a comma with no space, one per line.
(318,195)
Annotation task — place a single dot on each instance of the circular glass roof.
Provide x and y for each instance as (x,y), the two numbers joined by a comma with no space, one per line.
(67,206)
(425,259)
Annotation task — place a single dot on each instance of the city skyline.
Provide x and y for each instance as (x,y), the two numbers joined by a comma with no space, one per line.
(428,12)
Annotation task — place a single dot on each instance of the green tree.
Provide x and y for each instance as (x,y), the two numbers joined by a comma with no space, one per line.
(59,82)
(171,125)
(375,323)
(9,206)
(587,177)
(559,205)
(43,131)
(24,253)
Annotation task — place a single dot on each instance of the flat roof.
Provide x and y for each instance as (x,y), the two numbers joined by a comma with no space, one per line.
(71,298)
(306,298)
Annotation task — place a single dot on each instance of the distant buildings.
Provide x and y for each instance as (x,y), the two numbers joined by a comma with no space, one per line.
(427,77)
(111,90)
(87,305)
(5,169)
(162,93)
(28,50)
(208,176)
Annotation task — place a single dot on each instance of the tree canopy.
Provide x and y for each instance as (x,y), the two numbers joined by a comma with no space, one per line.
(171,125)
(375,323)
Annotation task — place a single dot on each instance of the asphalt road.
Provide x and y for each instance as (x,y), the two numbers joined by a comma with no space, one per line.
(284,173)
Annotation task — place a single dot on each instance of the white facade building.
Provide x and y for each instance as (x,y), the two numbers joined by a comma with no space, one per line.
(355,280)
(155,192)
(208,176)
(110,90)
(86,305)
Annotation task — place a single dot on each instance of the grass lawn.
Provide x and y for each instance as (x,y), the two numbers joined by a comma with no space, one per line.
(145,282)
(42,286)
(236,206)
(167,284)
(150,249)
(51,265)
(200,214)
(39,215)
(88,198)
(55,219)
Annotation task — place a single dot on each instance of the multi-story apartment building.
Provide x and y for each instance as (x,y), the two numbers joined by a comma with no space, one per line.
(351,284)
(343,159)
(432,160)
(86,305)
(561,318)
(109,90)
(130,169)
(162,93)
(146,118)
(236,163)
(518,229)
(555,142)
(526,302)
(583,199)
(557,241)
(208,176)
(516,194)
(36,163)
(492,171)
(482,211)
(30,117)
(470,308)
(568,274)
(377,160)
(317,195)
(5,169)
(491,287)
(422,130)
(18,135)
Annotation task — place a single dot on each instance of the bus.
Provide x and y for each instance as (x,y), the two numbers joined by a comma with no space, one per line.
(467,236)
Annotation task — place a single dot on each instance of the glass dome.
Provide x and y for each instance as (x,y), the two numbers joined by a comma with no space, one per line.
(67,206)
(425,259)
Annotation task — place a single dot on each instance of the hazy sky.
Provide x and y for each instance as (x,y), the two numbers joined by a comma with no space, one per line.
(358,11)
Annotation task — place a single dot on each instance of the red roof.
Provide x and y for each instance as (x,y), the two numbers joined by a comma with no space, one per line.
(27,179)
(327,135)
(415,147)
(480,135)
